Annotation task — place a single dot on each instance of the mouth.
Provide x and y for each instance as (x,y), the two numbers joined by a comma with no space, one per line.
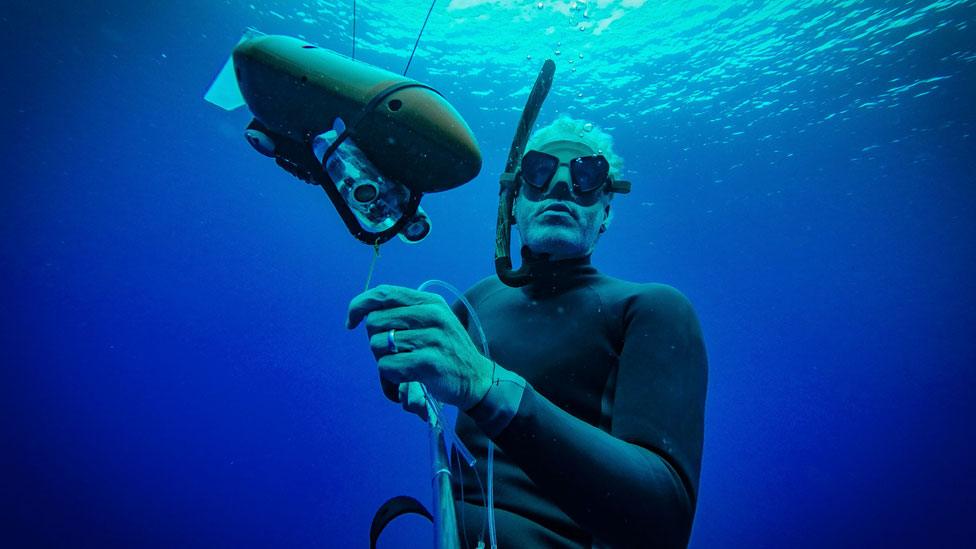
(558,207)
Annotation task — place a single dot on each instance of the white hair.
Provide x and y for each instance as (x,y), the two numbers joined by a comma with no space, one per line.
(565,128)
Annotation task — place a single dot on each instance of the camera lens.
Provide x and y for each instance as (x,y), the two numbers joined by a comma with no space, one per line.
(365,192)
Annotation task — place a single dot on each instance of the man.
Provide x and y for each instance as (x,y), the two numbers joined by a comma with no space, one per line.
(595,391)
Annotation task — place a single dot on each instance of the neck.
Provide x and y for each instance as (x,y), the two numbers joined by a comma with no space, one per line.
(552,274)
(545,260)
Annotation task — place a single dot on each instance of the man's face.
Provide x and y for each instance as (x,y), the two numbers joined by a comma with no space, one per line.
(553,221)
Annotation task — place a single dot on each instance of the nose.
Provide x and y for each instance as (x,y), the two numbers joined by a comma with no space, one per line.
(560,187)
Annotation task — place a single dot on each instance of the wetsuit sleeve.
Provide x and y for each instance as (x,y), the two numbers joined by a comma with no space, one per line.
(634,487)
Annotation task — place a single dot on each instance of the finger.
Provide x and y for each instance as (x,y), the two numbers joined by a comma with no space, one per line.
(379,344)
(398,368)
(385,297)
(411,317)
(423,401)
(415,402)
(406,341)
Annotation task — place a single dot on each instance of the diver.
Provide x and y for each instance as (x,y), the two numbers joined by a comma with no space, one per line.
(595,391)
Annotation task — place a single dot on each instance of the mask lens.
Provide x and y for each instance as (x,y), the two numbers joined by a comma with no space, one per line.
(589,172)
(537,168)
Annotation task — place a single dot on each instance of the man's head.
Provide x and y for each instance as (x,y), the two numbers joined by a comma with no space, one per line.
(558,215)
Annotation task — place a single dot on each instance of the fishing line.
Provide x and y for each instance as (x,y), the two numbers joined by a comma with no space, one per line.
(424,26)
(372,264)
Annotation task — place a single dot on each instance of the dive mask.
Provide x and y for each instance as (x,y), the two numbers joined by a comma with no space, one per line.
(588,173)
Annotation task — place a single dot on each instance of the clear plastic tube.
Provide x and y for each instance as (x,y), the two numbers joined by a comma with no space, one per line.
(449,428)
(435,410)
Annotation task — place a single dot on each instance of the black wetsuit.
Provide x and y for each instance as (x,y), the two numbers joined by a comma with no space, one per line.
(605,449)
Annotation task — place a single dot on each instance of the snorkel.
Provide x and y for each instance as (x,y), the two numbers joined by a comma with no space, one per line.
(508,182)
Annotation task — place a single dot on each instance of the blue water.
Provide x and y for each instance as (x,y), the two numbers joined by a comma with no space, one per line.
(175,368)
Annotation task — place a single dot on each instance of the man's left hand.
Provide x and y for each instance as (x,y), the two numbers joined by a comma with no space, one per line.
(432,347)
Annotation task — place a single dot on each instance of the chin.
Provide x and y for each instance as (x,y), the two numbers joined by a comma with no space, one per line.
(553,245)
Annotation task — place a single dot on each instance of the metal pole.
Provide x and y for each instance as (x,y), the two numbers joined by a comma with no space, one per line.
(445,521)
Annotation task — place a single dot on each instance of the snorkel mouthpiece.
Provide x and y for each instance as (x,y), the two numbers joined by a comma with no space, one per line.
(401,138)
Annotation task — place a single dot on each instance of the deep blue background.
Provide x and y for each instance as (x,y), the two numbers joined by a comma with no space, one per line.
(176,374)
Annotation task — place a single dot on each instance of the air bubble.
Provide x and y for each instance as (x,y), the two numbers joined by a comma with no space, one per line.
(539,5)
(557,52)
(581,55)
(580,94)
(582,28)
(588,127)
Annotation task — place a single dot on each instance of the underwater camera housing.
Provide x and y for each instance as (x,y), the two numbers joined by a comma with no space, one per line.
(375,141)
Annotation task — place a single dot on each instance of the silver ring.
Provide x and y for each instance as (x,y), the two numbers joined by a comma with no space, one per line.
(391,341)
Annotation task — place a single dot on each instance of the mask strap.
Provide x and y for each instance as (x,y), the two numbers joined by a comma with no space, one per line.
(619,186)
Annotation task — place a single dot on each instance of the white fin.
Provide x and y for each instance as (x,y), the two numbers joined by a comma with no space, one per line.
(224,91)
